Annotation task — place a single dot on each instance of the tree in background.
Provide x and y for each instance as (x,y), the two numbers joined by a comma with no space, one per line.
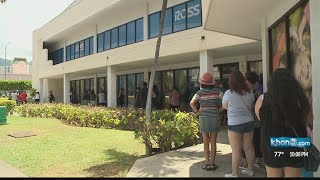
(153,72)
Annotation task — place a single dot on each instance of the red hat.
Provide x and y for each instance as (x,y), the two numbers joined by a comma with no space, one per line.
(207,79)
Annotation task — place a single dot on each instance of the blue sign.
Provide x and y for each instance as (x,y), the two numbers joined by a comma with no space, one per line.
(285,142)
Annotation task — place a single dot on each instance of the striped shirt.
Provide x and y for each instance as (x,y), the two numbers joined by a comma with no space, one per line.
(209,100)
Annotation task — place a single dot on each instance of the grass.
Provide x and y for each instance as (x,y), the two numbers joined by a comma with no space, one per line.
(60,150)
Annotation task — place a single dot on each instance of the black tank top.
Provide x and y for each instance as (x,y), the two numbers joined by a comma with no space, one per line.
(269,128)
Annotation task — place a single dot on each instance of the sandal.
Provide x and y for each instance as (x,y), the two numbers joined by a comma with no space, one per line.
(206,167)
(213,167)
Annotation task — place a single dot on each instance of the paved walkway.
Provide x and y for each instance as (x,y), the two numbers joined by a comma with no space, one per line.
(187,162)
(8,171)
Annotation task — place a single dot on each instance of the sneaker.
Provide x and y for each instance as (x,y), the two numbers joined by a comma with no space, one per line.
(247,172)
(258,165)
(243,166)
(230,176)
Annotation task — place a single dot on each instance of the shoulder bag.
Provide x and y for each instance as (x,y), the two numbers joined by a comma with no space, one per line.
(312,161)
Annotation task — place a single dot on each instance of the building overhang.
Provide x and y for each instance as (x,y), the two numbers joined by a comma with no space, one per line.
(238,17)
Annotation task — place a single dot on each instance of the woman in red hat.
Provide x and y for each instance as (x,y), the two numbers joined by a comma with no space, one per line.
(209,98)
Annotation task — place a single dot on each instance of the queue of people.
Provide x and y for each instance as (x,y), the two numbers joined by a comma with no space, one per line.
(254,117)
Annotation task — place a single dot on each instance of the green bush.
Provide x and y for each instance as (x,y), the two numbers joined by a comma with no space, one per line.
(168,129)
(10,104)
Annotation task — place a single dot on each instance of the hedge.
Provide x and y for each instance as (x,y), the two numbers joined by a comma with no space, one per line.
(169,129)
(10,85)
(10,104)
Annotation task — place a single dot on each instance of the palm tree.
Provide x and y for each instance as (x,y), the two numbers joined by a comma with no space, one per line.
(153,72)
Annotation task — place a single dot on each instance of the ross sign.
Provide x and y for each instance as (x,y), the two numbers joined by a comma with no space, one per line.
(192,11)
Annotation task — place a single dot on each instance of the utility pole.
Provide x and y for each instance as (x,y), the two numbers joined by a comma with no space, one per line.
(5,61)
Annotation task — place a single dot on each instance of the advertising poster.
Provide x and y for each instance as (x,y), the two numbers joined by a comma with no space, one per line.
(279,49)
(300,48)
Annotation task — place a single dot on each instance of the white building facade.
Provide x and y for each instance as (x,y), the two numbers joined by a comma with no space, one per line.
(289,33)
(109,45)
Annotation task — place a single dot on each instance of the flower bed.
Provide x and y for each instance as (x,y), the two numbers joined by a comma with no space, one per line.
(168,129)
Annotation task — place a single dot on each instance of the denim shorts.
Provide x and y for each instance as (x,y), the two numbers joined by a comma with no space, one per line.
(242,128)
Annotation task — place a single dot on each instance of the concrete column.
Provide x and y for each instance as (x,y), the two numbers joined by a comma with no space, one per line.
(112,87)
(65,51)
(206,63)
(66,88)
(315,56)
(146,75)
(265,53)
(45,90)
(146,20)
(40,89)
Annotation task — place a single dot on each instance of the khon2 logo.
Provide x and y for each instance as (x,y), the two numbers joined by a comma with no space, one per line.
(285,142)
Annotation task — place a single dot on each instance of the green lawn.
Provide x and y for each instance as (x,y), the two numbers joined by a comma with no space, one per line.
(60,150)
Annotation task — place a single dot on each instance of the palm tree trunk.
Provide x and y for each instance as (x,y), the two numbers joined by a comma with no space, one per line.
(153,71)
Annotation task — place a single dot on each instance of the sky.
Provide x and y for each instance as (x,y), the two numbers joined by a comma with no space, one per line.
(18,20)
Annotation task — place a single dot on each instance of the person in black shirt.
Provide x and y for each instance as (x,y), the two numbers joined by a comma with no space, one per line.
(283,109)
(121,98)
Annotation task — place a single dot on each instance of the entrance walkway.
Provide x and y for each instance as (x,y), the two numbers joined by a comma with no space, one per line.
(8,171)
(187,162)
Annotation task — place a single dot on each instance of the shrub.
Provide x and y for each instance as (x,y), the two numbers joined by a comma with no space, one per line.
(168,129)
(10,104)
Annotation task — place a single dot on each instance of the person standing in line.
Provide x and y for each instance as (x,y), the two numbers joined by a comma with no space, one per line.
(155,98)
(260,84)
(51,97)
(121,98)
(19,99)
(24,97)
(144,95)
(282,111)
(137,98)
(174,99)
(209,99)
(238,101)
(37,98)
(86,98)
(252,78)
(102,98)
(14,96)
(93,97)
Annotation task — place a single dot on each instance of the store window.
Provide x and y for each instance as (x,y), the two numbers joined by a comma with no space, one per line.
(180,17)
(131,32)
(255,66)
(77,50)
(181,83)
(100,42)
(114,38)
(81,48)
(139,30)
(82,93)
(68,53)
(87,47)
(91,45)
(167,27)
(154,22)
(194,14)
(131,89)
(122,35)
(72,51)
(107,40)
(140,80)
(122,84)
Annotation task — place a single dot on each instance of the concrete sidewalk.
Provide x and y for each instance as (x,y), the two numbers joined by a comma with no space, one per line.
(187,162)
(8,171)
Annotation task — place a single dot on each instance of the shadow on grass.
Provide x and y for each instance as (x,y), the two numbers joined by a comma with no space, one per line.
(119,164)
